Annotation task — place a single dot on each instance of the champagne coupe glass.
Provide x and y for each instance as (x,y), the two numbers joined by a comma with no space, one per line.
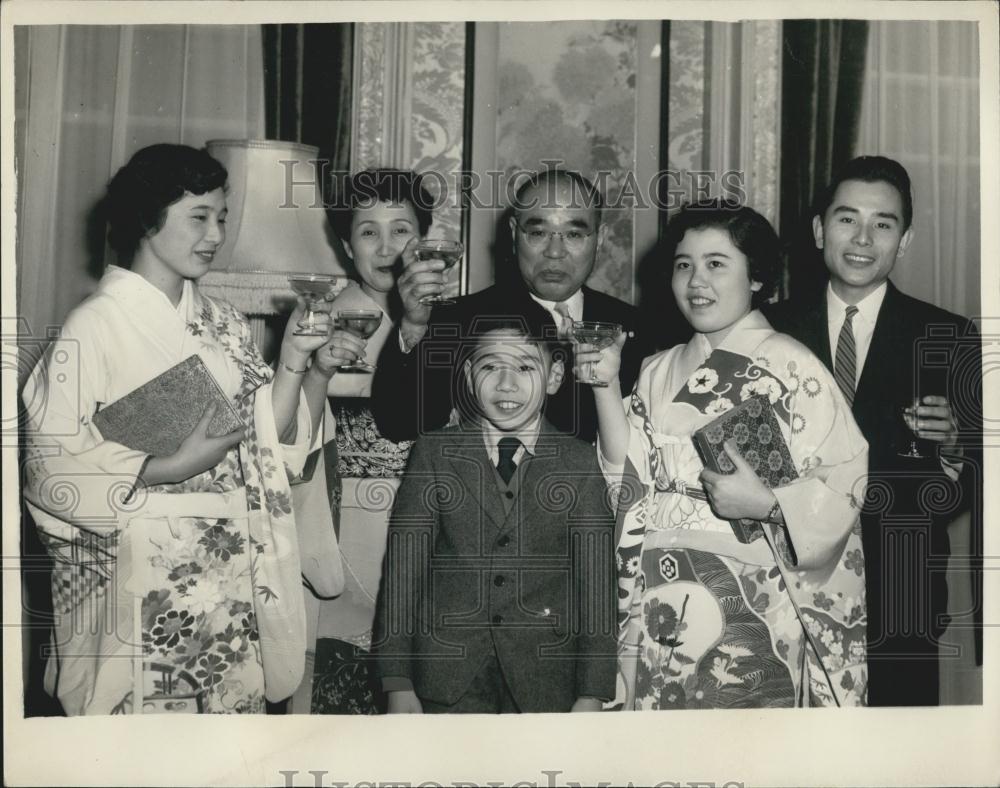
(362,323)
(598,334)
(913,452)
(448,252)
(314,288)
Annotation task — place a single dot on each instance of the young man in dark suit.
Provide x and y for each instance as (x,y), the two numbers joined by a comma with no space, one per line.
(557,233)
(886,348)
(498,589)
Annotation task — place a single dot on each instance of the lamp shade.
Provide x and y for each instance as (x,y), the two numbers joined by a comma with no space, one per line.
(276,225)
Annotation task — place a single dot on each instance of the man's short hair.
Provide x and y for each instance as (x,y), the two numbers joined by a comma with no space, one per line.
(585,193)
(397,187)
(872,169)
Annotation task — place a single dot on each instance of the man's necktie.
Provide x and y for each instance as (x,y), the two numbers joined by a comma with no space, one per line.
(507,447)
(844,366)
(564,322)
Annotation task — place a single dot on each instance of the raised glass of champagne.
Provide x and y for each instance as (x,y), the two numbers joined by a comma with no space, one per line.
(362,323)
(598,334)
(314,289)
(448,252)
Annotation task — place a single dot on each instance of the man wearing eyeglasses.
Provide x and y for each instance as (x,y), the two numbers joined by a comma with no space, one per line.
(557,231)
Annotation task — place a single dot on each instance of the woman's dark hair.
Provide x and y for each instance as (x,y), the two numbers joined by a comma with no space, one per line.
(399,187)
(750,232)
(154,178)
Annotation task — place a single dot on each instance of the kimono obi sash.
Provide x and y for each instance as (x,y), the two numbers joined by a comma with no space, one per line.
(757,552)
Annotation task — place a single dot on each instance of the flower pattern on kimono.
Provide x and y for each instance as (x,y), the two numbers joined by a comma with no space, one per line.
(278,503)
(765,384)
(204,597)
(212,668)
(718,406)
(661,620)
(798,423)
(672,696)
(703,380)
(222,543)
(855,560)
(812,387)
(169,627)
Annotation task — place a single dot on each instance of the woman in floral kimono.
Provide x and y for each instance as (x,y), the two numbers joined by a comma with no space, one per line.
(707,620)
(176,582)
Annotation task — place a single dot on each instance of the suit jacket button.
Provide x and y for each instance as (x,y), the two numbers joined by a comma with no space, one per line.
(497,619)
(499,580)
(503,541)
(509,494)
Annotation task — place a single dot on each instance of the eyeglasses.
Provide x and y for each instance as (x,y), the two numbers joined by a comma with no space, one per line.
(572,239)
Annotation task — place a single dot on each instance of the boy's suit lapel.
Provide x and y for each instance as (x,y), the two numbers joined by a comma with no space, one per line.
(531,478)
(481,483)
(472,466)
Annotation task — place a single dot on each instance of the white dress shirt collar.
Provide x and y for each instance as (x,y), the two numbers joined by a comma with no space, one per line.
(863,325)
(574,302)
(528,435)
(868,306)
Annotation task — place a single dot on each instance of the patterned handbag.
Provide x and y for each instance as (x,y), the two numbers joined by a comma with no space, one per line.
(755,430)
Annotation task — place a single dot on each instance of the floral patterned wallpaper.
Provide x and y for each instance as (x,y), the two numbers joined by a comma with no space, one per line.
(424,63)
(686,118)
(437,116)
(567,93)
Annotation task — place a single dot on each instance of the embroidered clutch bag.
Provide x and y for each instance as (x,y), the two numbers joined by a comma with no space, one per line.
(156,417)
(754,428)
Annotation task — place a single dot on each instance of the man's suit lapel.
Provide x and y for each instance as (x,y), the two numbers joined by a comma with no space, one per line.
(816,334)
(882,348)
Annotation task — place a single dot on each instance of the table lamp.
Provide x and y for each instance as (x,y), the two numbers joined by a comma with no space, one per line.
(276,226)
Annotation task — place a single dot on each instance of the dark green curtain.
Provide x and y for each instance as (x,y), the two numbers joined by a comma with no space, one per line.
(308,70)
(823,70)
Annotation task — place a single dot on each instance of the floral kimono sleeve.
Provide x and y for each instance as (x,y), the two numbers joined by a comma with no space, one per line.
(821,508)
(641,454)
(247,356)
(73,479)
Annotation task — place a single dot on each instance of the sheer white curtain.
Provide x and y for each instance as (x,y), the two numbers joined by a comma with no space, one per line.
(88,97)
(921,107)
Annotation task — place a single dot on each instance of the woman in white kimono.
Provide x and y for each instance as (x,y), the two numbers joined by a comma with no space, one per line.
(705,620)
(176,583)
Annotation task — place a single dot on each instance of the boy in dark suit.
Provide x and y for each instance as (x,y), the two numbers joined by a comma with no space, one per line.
(498,588)
(885,349)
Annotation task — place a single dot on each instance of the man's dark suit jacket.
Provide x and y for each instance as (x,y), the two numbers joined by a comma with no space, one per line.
(916,347)
(462,578)
(413,393)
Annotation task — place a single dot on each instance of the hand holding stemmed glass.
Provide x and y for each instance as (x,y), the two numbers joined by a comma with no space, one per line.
(315,290)
(447,252)
(930,418)
(361,323)
(591,338)
(910,417)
